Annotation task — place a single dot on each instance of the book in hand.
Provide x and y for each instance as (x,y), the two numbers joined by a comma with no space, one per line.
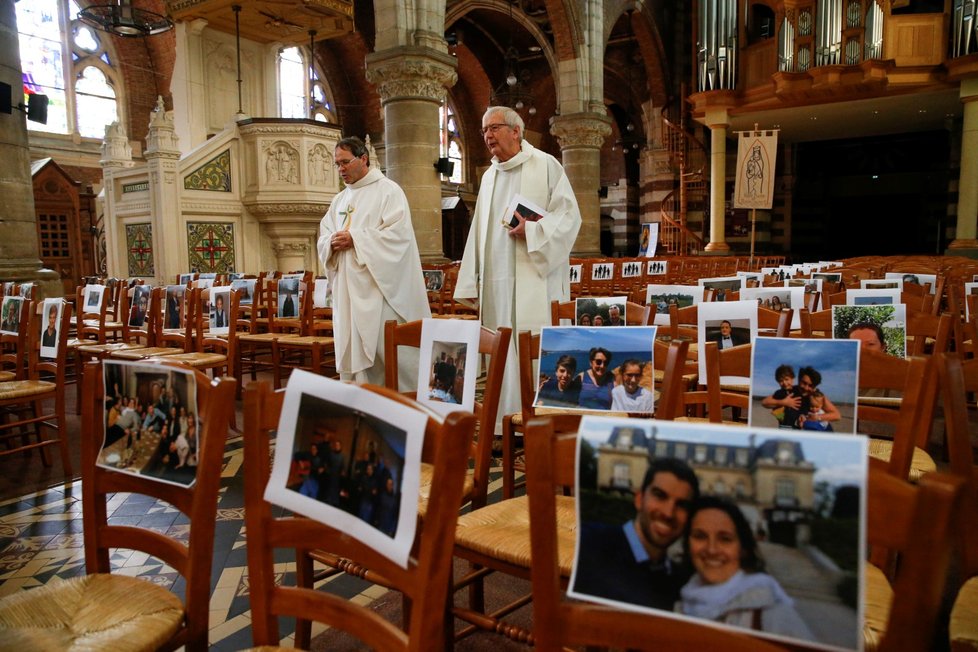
(526,209)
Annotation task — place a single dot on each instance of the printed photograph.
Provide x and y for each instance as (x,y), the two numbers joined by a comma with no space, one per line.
(729,324)
(219,320)
(662,296)
(878,328)
(748,528)
(914,279)
(93,297)
(151,424)
(830,277)
(247,287)
(800,384)
(448,364)
(872,297)
(139,305)
(351,459)
(722,286)
(50,325)
(185,278)
(173,311)
(288,297)
(434,279)
(600,311)
(644,239)
(10,315)
(583,368)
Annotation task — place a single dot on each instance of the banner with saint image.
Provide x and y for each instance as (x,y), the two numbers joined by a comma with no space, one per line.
(757,153)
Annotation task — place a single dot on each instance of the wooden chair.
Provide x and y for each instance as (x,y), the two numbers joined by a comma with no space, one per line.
(133,337)
(166,341)
(208,350)
(13,348)
(558,623)
(636,314)
(264,331)
(314,346)
(816,324)
(774,323)
(114,611)
(959,378)
(714,397)
(23,399)
(683,324)
(928,333)
(424,582)
(901,392)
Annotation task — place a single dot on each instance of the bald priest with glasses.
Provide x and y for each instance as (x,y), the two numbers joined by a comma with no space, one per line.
(513,267)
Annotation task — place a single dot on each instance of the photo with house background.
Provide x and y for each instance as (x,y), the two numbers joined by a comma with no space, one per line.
(801,495)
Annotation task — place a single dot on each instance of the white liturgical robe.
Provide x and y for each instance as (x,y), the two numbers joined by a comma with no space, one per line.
(378,279)
(515,279)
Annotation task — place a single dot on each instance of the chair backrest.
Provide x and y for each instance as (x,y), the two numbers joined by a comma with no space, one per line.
(90,324)
(215,400)
(683,322)
(912,412)
(492,344)
(204,339)
(53,369)
(922,326)
(182,337)
(816,324)
(671,359)
(721,363)
(424,582)
(13,348)
(958,378)
(911,523)
(557,622)
(146,333)
(774,323)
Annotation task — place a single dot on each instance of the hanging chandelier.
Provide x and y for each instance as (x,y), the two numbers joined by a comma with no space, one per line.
(119,17)
(512,91)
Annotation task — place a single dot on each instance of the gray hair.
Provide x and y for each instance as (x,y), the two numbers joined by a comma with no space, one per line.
(355,146)
(510,117)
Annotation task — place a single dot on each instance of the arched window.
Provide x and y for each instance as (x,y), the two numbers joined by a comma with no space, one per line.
(300,96)
(451,143)
(71,63)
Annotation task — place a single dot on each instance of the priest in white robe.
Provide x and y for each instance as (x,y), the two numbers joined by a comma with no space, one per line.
(535,253)
(368,248)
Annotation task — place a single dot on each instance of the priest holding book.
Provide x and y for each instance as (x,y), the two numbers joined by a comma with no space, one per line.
(513,267)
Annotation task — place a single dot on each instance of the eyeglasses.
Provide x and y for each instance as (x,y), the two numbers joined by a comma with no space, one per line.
(343,164)
(493,128)
(599,362)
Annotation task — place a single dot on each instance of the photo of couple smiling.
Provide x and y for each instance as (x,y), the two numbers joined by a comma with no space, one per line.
(750,528)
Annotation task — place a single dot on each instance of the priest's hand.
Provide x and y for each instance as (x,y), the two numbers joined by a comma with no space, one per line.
(341,240)
(518,231)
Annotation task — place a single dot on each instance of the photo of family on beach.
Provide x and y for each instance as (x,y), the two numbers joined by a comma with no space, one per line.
(351,459)
(746,528)
(587,368)
(799,384)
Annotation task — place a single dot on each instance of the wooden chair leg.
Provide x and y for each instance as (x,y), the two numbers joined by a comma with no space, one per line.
(303,577)
(37,411)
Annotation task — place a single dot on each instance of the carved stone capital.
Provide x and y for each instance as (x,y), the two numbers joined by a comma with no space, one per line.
(267,209)
(411,73)
(581,130)
(290,247)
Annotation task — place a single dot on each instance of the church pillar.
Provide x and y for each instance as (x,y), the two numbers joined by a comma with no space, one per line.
(19,259)
(116,157)
(412,83)
(162,156)
(717,122)
(580,136)
(967,224)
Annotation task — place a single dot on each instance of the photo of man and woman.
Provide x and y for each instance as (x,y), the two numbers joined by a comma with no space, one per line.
(749,528)
(151,421)
(799,384)
(350,458)
(584,368)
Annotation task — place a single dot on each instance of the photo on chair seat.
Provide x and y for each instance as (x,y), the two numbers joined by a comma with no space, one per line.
(351,459)
(746,528)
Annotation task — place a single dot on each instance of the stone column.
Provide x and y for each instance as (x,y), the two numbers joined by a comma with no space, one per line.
(19,260)
(581,136)
(717,122)
(967,224)
(116,156)
(412,83)
(162,156)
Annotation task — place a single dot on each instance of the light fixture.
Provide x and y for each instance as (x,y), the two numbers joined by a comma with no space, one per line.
(511,92)
(119,17)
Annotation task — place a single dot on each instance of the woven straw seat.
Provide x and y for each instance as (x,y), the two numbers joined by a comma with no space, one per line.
(105,349)
(502,531)
(198,358)
(147,352)
(93,612)
(688,379)
(881,401)
(7,375)
(263,337)
(307,340)
(424,487)
(23,388)
(920,464)
(963,630)
(879,597)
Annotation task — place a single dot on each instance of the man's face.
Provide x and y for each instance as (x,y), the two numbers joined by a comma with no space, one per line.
(869,340)
(614,314)
(805,384)
(564,376)
(630,377)
(352,168)
(52,315)
(502,140)
(662,510)
(725,329)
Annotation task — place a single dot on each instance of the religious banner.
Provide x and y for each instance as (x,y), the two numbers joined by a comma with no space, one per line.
(757,152)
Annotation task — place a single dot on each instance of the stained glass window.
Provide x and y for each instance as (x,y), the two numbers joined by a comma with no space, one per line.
(71,64)
(300,96)
(451,143)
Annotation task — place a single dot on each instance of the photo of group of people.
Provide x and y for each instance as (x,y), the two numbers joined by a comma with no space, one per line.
(351,459)
(755,529)
(600,311)
(447,381)
(800,384)
(448,364)
(878,327)
(587,369)
(434,279)
(662,296)
(151,425)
